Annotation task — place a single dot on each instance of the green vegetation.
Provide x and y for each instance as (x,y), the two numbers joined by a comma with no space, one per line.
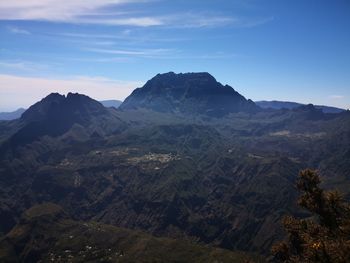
(224,182)
(46,234)
(324,237)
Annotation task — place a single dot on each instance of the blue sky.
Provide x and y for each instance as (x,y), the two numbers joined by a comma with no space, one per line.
(284,50)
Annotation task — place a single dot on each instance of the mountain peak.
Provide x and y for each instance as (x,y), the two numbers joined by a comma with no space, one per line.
(189,93)
(196,79)
(58,107)
(57,114)
(307,107)
(188,75)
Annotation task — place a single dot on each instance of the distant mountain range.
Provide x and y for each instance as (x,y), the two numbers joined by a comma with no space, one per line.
(189,93)
(11,115)
(168,171)
(111,103)
(274,104)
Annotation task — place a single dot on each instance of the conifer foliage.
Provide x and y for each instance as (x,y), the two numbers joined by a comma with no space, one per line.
(324,236)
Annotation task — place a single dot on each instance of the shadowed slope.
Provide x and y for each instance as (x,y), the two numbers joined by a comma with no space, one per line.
(190,93)
(47,234)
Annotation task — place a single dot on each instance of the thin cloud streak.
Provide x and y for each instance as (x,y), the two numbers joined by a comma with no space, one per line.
(33,89)
(22,65)
(17,30)
(140,53)
(123,37)
(99,60)
(77,11)
(126,21)
(210,20)
(191,20)
(336,97)
(98,12)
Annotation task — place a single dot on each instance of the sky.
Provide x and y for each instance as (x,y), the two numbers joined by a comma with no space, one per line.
(297,50)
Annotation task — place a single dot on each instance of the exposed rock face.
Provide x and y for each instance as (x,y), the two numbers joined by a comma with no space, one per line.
(190,93)
(57,114)
(71,108)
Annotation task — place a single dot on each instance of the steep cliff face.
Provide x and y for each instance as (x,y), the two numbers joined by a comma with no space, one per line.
(190,93)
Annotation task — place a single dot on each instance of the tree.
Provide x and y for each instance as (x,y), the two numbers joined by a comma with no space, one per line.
(325,235)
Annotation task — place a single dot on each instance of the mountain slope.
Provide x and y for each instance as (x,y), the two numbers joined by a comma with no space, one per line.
(190,93)
(47,234)
(111,103)
(57,114)
(221,181)
(292,105)
(71,108)
(11,115)
(17,113)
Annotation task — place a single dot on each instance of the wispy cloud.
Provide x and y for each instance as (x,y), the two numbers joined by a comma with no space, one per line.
(17,30)
(77,11)
(135,53)
(336,97)
(22,65)
(101,60)
(125,21)
(211,20)
(198,20)
(129,37)
(99,12)
(160,53)
(32,89)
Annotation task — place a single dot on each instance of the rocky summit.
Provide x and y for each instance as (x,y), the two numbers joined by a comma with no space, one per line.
(189,93)
(73,107)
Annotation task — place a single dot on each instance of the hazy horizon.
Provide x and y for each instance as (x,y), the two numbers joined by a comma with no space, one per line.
(113,99)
